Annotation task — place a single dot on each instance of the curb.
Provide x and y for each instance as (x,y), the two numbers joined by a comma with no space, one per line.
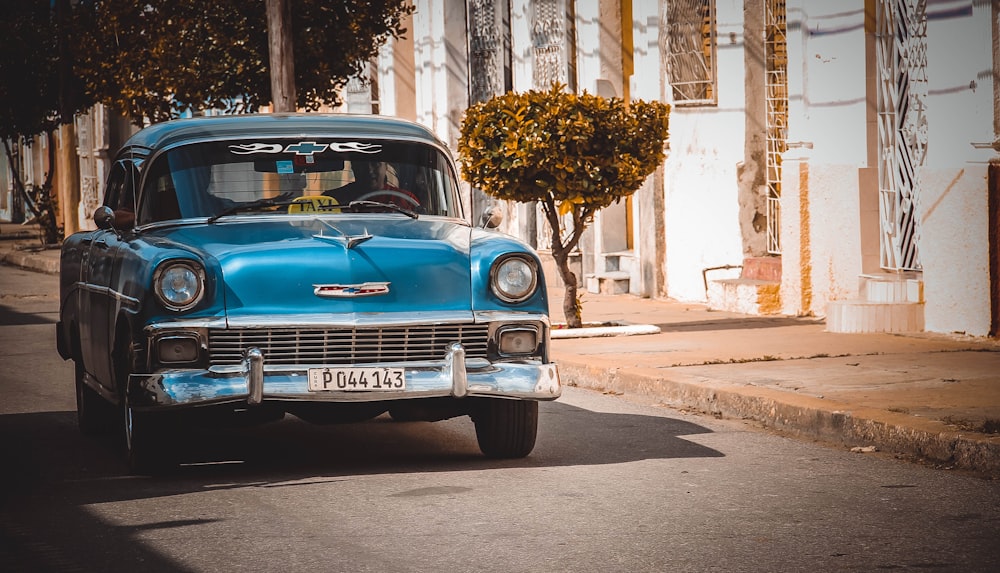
(600,331)
(30,261)
(802,416)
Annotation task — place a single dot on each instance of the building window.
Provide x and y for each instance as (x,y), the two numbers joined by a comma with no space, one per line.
(691,53)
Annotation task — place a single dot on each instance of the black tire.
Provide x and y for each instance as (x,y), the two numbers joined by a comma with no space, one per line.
(506,428)
(93,413)
(141,432)
(145,451)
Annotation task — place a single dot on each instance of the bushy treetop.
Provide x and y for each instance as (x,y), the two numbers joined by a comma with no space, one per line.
(158,58)
(575,149)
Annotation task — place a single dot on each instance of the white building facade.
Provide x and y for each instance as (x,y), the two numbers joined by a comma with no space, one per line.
(833,159)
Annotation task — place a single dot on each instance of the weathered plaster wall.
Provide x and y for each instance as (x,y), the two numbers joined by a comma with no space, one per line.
(820,211)
(647,83)
(441,68)
(588,45)
(955,251)
(752,171)
(706,144)
(819,216)
(953,203)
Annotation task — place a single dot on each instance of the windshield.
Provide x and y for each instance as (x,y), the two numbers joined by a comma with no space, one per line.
(307,176)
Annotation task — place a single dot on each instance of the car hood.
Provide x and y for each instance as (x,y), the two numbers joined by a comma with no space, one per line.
(275,267)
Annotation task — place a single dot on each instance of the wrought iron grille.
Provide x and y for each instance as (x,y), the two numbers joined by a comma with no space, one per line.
(776,96)
(486,41)
(690,51)
(348,345)
(901,57)
(548,38)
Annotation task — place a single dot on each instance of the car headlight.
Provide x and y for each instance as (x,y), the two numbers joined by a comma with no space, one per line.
(514,278)
(179,285)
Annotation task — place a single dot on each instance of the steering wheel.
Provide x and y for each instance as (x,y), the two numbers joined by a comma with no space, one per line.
(391,193)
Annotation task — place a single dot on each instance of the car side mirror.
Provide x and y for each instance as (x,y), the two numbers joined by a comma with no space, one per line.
(104,218)
(491,217)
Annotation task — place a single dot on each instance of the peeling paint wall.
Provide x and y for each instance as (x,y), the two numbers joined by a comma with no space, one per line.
(954,246)
(701,196)
(821,233)
(752,171)
(825,210)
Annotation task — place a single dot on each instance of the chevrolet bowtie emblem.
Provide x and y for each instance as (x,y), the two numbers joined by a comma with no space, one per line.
(345,291)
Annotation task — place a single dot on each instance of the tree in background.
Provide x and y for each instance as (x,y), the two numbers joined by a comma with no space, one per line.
(38,92)
(575,154)
(156,59)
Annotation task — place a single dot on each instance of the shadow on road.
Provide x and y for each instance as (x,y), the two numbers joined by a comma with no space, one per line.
(53,473)
(11,317)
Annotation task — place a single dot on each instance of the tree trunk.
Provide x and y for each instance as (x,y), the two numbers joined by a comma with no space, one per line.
(560,252)
(571,304)
(68,187)
(279,41)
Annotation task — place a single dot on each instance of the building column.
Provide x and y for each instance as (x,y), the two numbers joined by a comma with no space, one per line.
(68,179)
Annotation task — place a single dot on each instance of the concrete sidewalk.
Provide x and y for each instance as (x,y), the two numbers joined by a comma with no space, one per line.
(923,396)
(21,246)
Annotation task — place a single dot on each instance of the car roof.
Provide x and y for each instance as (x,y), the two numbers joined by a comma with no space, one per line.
(168,133)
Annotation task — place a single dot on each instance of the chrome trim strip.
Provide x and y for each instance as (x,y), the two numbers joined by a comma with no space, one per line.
(108,291)
(510,316)
(351,319)
(157,328)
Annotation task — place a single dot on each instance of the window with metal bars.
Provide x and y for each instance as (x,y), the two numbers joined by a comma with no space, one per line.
(691,51)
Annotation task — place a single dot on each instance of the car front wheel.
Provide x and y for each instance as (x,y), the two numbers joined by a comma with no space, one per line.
(506,428)
(142,432)
(93,415)
(143,442)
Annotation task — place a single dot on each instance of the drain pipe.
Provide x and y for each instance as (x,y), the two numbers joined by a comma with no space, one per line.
(704,273)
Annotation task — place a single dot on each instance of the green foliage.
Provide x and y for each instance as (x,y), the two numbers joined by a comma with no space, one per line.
(575,154)
(33,96)
(158,58)
(574,150)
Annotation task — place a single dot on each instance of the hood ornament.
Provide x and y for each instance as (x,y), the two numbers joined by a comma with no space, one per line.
(349,291)
(349,241)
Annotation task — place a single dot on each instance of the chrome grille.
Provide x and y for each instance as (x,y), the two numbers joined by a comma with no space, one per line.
(348,345)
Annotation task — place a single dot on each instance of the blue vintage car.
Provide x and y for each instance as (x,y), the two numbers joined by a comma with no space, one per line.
(245,267)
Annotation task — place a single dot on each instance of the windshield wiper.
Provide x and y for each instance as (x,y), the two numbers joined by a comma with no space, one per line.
(357,206)
(276,201)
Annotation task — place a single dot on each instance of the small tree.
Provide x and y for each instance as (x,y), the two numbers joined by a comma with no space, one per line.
(575,154)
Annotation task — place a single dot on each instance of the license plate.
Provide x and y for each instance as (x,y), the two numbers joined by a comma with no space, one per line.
(356,379)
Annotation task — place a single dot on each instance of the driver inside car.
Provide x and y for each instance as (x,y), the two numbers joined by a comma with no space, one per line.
(371,177)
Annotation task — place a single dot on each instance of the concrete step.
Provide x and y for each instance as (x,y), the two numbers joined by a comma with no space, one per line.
(891,288)
(610,282)
(861,316)
(746,296)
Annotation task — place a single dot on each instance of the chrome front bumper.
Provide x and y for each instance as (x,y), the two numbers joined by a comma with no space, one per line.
(254,382)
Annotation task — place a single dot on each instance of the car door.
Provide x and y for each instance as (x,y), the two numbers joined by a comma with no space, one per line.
(102,297)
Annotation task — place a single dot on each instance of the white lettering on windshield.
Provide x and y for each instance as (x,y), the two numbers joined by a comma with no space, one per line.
(307,148)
